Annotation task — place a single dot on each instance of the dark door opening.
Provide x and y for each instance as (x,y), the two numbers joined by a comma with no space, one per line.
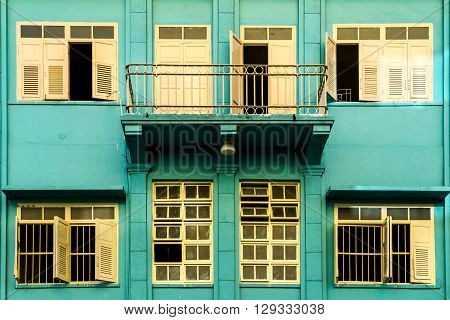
(256,87)
(347,68)
(80,61)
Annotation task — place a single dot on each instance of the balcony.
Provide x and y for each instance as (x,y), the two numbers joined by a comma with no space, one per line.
(226,89)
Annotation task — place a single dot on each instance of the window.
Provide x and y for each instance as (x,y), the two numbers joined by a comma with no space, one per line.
(66,61)
(66,243)
(269,232)
(383,62)
(182,232)
(384,244)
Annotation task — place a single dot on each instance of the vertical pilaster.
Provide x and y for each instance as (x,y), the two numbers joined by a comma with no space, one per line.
(312,31)
(313,231)
(138,32)
(226,208)
(137,217)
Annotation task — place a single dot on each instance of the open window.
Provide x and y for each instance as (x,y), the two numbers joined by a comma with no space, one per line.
(66,61)
(383,63)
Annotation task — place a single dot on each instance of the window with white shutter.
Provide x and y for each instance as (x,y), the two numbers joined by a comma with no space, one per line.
(236,79)
(105,251)
(104,81)
(395,64)
(30,69)
(369,72)
(330,58)
(56,66)
(61,257)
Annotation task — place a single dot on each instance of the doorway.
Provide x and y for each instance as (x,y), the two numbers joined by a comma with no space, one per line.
(256,87)
(80,70)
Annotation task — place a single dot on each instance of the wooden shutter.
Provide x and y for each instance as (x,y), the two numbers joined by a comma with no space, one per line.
(56,75)
(369,72)
(395,67)
(236,82)
(330,58)
(420,75)
(30,70)
(422,252)
(387,249)
(281,88)
(61,249)
(105,251)
(104,70)
(16,251)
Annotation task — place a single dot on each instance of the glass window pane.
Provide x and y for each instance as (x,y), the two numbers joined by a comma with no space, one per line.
(170,32)
(51,213)
(161,232)
(369,33)
(277,233)
(248,252)
(203,233)
(261,252)
(248,232)
(203,273)
(398,213)
(418,33)
(348,213)
(103,212)
(203,192)
(31,31)
(291,272)
(247,273)
(191,252)
(191,232)
(419,214)
(191,212)
(290,192)
(161,212)
(278,253)
(191,273)
(31,213)
(161,273)
(80,32)
(278,272)
(291,252)
(195,33)
(261,191)
(290,233)
(54,32)
(81,213)
(174,232)
(255,33)
(278,212)
(277,192)
(261,232)
(280,33)
(347,33)
(395,33)
(370,213)
(174,192)
(203,252)
(161,192)
(191,192)
(103,32)
(203,212)
(174,273)
(290,212)
(261,272)
(174,212)
(261,211)
(248,211)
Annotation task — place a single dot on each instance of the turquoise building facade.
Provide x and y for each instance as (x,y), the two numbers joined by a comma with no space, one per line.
(385,153)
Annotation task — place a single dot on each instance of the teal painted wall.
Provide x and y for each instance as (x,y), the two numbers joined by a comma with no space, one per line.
(63,144)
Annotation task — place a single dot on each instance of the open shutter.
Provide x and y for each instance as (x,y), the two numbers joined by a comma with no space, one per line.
(330,58)
(61,250)
(236,81)
(16,251)
(395,64)
(369,72)
(420,75)
(422,252)
(282,88)
(387,249)
(56,66)
(30,70)
(104,70)
(105,251)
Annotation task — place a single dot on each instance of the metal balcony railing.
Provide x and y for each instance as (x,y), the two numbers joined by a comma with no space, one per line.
(238,89)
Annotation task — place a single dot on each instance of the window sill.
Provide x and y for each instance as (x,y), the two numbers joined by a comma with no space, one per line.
(63,285)
(67,103)
(382,104)
(389,286)
(270,285)
(182,285)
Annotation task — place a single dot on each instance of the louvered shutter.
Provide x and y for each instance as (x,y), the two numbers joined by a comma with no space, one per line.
(56,74)
(387,249)
(16,251)
(236,82)
(169,88)
(422,252)
(395,70)
(61,249)
(30,69)
(369,72)
(104,70)
(105,251)
(330,58)
(420,75)
(282,88)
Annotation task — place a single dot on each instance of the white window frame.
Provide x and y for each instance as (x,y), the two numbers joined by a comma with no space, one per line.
(66,40)
(381,43)
(380,222)
(72,222)
(183,222)
(269,223)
